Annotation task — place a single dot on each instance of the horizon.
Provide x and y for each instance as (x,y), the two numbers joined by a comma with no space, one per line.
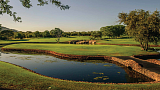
(83,15)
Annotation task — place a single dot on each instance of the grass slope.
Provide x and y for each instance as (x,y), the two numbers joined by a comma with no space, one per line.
(107,50)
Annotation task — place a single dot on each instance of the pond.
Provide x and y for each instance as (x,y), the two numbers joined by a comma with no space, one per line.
(73,70)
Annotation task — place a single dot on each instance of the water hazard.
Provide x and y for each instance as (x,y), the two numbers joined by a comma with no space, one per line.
(73,70)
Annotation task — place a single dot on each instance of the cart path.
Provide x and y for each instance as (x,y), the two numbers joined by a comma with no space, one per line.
(149,66)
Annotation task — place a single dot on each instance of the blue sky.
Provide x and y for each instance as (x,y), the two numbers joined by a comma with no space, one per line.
(84,15)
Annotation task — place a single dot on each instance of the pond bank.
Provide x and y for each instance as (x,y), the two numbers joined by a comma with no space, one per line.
(128,63)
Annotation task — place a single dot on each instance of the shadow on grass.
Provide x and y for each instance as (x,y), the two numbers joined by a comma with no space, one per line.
(6,89)
(119,38)
(71,37)
(124,38)
(105,39)
(19,40)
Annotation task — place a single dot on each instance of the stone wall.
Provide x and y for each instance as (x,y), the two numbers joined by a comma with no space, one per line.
(155,61)
(135,66)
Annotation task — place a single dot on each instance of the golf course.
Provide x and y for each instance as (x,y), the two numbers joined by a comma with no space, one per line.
(15,77)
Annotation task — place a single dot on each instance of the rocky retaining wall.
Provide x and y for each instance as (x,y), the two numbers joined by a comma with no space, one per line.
(128,63)
(155,61)
(135,66)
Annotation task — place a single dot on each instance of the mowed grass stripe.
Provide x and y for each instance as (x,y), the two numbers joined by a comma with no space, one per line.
(107,50)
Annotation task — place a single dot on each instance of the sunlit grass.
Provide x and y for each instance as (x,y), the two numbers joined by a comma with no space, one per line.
(121,40)
(62,39)
(107,50)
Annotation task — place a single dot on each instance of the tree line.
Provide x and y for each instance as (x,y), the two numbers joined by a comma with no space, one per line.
(112,31)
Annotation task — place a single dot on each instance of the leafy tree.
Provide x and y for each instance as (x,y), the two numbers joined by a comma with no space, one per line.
(113,31)
(143,26)
(88,33)
(28,34)
(64,34)
(107,31)
(79,34)
(119,30)
(6,8)
(18,35)
(96,34)
(6,34)
(46,33)
(52,33)
(0,32)
(58,32)
(0,27)
(36,34)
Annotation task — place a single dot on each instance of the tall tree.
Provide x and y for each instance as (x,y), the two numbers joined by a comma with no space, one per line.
(113,31)
(28,34)
(52,33)
(6,8)
(18,35)
(46,33)
(36,34)
(7,34)
(0,27)
(58,32)
(119,30)
(107,31)
(96,34)
(143,26)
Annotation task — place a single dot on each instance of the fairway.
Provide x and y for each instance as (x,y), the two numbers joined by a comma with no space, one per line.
(106,50)
(122,40)
(62,39)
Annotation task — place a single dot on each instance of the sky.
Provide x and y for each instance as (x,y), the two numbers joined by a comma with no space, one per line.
(83,15)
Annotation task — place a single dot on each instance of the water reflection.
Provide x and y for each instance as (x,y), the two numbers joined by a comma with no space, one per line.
(73,70)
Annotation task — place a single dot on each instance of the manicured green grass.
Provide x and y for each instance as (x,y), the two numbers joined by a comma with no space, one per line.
(107,50)
(122,40)
(63,39)
(14,77)
(119,41)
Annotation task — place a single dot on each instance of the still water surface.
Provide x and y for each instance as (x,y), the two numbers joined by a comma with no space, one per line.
(71,70)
